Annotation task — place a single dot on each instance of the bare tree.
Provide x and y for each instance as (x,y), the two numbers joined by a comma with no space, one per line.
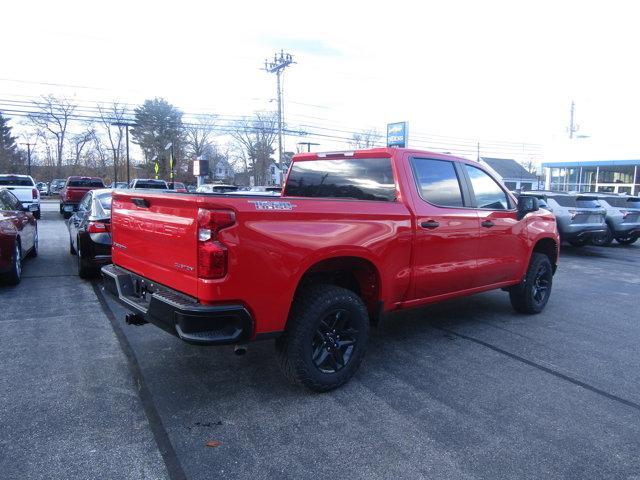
(52,116)
(199,135)
(114,113)
(256,137)
(365,139)
(79,141)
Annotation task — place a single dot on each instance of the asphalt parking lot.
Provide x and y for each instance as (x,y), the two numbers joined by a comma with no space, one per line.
(466,389)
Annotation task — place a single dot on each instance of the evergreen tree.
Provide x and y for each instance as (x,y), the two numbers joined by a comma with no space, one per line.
(8,147)
(159,123)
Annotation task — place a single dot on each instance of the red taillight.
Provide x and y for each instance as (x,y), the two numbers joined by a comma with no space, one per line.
(34,193)
(98,227)
(212,254)
(625,213)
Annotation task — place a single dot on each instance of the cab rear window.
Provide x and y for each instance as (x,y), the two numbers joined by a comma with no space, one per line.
(16,181)
(85,183)
(356,178)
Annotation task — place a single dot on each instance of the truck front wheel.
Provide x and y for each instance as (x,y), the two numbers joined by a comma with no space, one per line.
(325,339)
(532,295)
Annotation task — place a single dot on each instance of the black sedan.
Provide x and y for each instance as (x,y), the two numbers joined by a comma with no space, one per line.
(18,237)
(90,232)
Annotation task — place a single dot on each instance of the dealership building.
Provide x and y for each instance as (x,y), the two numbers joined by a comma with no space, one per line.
(615,176)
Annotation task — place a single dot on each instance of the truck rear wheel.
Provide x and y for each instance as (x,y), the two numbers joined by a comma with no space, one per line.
(326,338)
(532,295)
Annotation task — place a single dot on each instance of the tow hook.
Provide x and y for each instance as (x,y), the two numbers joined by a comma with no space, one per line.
(240,349)
(134,319)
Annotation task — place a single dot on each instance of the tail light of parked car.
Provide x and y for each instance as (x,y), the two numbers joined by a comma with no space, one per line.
(98,227)
(625,213)
(34,193)
(212,254)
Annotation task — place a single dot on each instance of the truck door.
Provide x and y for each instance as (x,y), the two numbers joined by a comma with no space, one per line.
(446,229)
(501,242)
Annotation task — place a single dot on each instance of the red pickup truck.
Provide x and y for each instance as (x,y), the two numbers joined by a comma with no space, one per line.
(353,236)
(74,190)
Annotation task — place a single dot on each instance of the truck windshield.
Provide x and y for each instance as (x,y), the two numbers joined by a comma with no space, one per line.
(16,181)
(358,178)
(86,183)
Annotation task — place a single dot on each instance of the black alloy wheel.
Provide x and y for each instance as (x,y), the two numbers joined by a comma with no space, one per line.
(334,341)
(604,239)
(541,284)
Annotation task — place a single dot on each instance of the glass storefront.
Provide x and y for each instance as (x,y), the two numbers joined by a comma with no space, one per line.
(611,177)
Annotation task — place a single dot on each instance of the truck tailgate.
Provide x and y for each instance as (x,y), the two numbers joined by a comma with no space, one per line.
(155,235)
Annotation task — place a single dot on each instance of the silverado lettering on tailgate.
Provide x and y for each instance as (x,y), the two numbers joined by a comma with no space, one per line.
(270,205)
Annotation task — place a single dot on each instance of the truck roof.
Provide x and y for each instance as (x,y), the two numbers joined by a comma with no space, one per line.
(374,152)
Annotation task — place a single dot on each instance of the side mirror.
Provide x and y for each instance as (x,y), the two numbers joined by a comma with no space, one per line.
(527,204)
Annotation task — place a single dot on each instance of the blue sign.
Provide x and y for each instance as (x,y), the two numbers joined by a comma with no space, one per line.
(397,134)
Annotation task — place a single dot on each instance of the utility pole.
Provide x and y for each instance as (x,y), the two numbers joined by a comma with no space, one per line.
(308,144)
(126,125)
(573,128)
(115,168)
(29,145)
(277,66)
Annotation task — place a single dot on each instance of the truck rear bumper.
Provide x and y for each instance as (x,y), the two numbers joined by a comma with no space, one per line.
(176,313)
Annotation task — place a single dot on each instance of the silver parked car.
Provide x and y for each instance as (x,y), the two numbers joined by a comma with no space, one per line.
(578,223)
(622,217)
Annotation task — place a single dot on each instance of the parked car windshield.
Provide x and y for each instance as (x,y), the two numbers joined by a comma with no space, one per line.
(105,200)
(358,178)
(17,181)
(85,183)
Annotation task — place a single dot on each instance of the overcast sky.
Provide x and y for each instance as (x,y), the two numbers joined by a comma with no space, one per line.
(493,71)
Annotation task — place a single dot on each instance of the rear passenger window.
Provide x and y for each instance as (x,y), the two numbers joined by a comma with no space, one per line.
(488,193)
(438,182)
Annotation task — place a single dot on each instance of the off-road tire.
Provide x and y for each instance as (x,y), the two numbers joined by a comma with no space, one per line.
(310,309)
(525,297)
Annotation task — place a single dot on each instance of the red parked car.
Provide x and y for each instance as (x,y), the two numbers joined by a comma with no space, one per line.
(18,237)
(74,190)
(354,235)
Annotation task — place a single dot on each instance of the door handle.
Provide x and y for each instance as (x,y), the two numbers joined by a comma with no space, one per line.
(487,224)
(430,224)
